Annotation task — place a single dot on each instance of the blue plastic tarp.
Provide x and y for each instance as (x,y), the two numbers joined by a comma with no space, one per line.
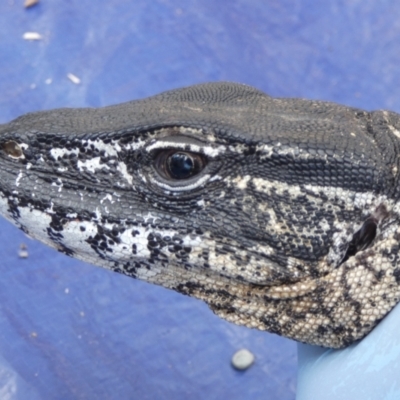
(69,330)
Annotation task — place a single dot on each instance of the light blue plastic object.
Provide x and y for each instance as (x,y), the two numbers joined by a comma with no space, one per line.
(366,370)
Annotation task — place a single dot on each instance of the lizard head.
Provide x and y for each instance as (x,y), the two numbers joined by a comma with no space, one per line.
(279,213)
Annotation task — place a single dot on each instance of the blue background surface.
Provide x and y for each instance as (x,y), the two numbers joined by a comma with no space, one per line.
(72,331)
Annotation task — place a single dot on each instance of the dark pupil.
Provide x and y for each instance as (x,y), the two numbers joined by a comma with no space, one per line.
(181,165)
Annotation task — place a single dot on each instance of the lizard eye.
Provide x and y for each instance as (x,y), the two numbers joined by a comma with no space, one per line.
(178,165)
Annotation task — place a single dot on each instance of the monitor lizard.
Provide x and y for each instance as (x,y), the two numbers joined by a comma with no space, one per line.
(281,214)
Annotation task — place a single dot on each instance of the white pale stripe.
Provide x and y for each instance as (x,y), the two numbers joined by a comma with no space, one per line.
(194,185)
(36,222)
(207,150)
(92,165)
(121,167)
(110,149)
(57,152)
(351,198)
(297,153)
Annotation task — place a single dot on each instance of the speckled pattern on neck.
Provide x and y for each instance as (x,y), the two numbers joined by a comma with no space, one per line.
(291,225)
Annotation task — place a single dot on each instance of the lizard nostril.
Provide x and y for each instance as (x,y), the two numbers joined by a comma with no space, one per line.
(12,149)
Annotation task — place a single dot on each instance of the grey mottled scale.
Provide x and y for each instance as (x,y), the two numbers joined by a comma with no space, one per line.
(267,232)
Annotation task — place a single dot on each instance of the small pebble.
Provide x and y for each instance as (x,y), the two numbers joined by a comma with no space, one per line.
(73,78)
(32,36)
(242,359)
(23,251)
(30,3)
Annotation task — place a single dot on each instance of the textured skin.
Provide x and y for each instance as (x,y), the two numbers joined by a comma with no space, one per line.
(268,233)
